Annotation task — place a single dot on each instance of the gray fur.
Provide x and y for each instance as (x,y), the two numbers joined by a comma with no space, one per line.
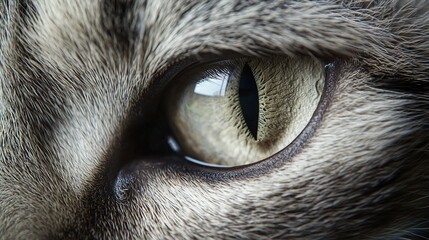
(73,71)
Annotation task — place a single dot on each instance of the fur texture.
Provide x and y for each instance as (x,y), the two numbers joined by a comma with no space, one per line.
(73,74)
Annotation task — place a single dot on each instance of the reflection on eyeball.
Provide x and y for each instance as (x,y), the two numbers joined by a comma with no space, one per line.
(236,112)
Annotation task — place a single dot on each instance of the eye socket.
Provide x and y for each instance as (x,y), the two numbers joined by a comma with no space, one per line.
(241,111)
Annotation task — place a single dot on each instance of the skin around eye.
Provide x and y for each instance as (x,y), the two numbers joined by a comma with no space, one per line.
(207,113)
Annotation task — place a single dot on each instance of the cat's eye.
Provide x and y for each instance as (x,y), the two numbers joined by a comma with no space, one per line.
(236,112)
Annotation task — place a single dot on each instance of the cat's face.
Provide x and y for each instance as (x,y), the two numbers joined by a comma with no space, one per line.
(97,97)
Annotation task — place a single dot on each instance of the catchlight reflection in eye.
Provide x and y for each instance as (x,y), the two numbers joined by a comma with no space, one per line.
(240,111)
(212,86)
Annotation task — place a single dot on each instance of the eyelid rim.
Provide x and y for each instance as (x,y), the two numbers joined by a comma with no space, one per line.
(164,76)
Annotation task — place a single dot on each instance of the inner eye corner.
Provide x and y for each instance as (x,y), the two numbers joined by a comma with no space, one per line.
(203,124)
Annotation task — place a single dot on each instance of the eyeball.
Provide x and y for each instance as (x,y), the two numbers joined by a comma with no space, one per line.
(240,111)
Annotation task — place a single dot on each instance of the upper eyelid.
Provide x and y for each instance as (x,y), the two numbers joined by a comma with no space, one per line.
(172,70)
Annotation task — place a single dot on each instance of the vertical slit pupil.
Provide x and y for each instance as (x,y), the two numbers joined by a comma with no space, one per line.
(249,100)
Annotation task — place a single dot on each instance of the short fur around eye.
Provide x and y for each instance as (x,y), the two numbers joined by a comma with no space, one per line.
(72,73)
